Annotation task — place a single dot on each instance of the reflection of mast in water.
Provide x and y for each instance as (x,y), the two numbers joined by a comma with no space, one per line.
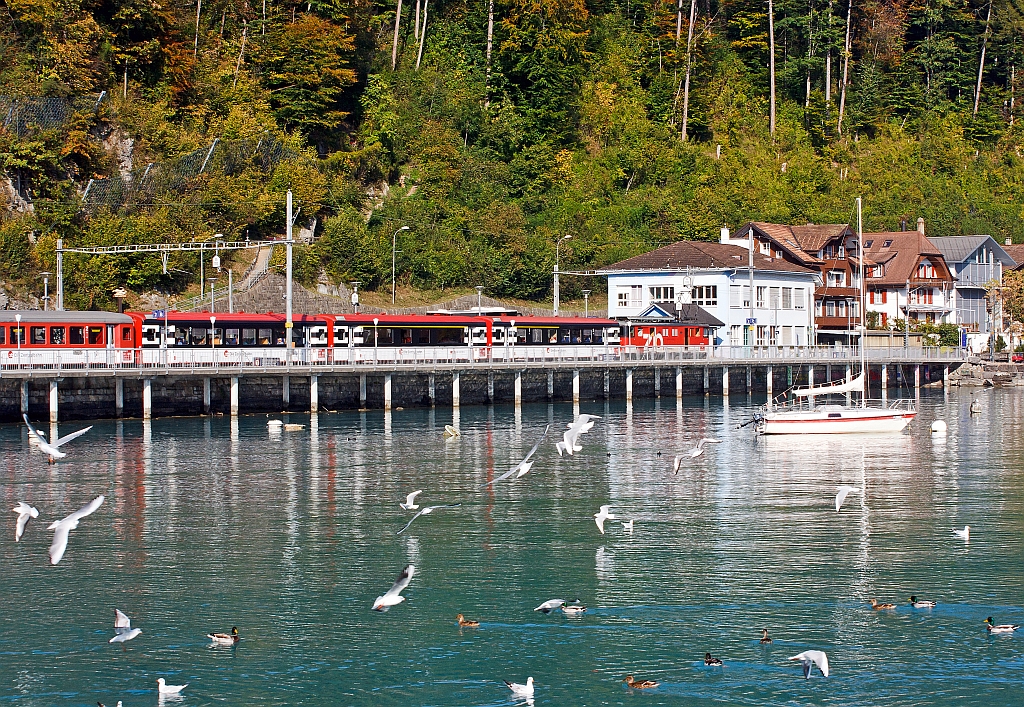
(604,564)
(314,464)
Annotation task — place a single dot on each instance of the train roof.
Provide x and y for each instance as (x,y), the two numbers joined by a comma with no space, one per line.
(553,322)
(36,316)
(386,319)
(235,317)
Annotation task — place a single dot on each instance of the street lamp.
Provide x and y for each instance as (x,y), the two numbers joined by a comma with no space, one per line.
(394,242)
(213,333)
(479,299)
(213,301)
(586,303)
(355,295)
(558,243)
(21,335)
(46,290)
(375,320)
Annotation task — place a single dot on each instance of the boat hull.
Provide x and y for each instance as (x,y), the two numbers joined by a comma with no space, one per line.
(846,421)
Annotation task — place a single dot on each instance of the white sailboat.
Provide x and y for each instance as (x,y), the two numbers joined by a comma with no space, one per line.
(802,416)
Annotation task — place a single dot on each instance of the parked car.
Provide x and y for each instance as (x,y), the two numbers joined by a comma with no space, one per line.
(1017,358)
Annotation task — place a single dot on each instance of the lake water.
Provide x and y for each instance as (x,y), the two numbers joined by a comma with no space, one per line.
(210,524)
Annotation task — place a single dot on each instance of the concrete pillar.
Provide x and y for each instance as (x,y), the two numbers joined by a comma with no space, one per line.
(917,375)
(849,395)
(657,382)
(455,389)
(769,382)
(810,382)
(679,382)
(551,385)
(607,384)
(53,400)
(431,389)
(314,394)
(707,381)
(518,393)
(576,386)
(234,396)
(118,397)
(286,391)
(789,376)
(206,396)
(945,376)
(749,376)
(885,377)
(147,398)
(725,381)
(629,384)
(490,386)
(24,397)
(362,391)
(387,392)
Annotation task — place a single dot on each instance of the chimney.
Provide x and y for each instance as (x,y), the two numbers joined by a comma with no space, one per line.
(920,225)
(903,224)
(1008,241)
(724,238)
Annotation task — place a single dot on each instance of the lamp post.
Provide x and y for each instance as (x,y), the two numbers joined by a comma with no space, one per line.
(558,243)
(586,304)
(213,301)
(288,281)
(46,290)
(21,335)
(213,334)
(355,295)
(394,243)
(479,299)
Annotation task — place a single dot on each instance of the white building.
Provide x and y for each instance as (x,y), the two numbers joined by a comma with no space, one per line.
(762,300)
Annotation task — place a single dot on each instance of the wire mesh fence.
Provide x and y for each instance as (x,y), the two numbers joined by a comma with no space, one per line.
(22,116)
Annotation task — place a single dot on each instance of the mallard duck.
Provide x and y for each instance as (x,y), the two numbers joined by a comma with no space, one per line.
(225,639)
(921,604)
(639,684)
(878,607)
(574,610)
(764,636)
(1001,628)
(715,662)
(464,622)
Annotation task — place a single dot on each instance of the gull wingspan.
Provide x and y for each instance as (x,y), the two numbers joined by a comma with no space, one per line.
(121,620)
(428,509)
(67,438)
(402,582)
(523,464)
(32,429)
(62,528)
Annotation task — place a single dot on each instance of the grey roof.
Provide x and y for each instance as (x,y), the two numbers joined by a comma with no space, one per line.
(957,249)
(684,314)
(36,316)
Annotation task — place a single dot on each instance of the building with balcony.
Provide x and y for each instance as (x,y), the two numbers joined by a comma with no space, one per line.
(977,263)
(760,300)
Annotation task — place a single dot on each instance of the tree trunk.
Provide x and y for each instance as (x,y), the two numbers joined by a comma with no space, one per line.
(679,20)
(771,66)
(1013,77)
(828,59)
(199,9)
(416,27)
(238,64)
(846,68)
(394,46)
(689,64)
(490,40)
(981,62)
(423,34)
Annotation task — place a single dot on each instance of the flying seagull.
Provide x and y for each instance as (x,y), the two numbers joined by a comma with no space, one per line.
(524,466)
(550,605)
(410,501)
(601,516)
(52,449)
(965,533)
(394,595)
(844,491)
(809,658)
(426,511)
(24,512)
(699,449)
(521,690)
(123,631)
(62,528)
(570,438)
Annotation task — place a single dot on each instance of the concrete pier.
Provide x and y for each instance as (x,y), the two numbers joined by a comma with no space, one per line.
(576,386)
(885,377)
(362,391)
(707,381)
(679,383)
(490,386)
(118,397)
(234,396)
(657,382)
(314,394)
(387,392)
(769,383)
(607,384)
(206,394)
(286,391)
(24,397)
(455,388)
(432,390)
(725,381)
(917,375)
(551,385)
(53,400)
(518,389)
(147,398)
(945,377)
(629,385)
(750,386)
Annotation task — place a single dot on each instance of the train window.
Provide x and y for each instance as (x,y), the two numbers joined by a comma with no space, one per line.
(266,337)
(95,335)
(248,337)
(231,337)
(57,336)
(126,334)
(180,336)
(76,335)
(3,335)
(38,335)
(218,337)
(198,336)
(449,336)
(422,336)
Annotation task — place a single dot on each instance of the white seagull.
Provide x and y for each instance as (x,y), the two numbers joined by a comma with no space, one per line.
(24,512)
(965,533)
(521,690)
(62,528)
(394,596)
(601,516)
(123,630)
(410,501)
(675,463)
(450,431)
(699,449)
(523,467)
(844,491)
(426,511)
(52,449)
(807,658)
(550,605)
(166,689)
(628,526)
(570,438)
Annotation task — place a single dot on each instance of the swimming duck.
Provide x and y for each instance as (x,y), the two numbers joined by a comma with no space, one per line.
(878,607)
(764,636)
(1001,628)
(921,604)
(464,622)
(225,639)
(574,610)
(639,684)
(715,662)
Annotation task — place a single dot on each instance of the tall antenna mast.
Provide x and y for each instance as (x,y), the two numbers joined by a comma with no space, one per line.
(862,327)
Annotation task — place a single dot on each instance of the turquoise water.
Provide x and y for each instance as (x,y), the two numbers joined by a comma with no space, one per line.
(210,524)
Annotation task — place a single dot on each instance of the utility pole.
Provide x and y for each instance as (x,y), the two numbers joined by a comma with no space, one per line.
(288,282)
(771,67)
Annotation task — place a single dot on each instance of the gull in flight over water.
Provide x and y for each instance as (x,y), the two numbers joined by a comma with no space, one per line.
(522,468)
(123,631)
(570,438)
(52,449)
(550,605)
(426,511)
(601,516)
(24,512)
(394,596)
(166,689)
(809,658)
(520,690)
(699,449)
(965,533)
(844,491)
(410,501)
(62,528)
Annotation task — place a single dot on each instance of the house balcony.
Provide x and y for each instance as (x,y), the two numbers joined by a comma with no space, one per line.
(844,323)
(836,293)
(975,275)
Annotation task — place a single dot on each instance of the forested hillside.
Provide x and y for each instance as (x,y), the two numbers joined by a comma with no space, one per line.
(492,128)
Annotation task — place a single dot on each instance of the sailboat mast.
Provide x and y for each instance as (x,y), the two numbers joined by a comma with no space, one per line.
(862,327)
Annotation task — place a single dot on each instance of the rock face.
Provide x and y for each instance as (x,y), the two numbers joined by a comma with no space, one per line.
(11,201)
(988,373)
